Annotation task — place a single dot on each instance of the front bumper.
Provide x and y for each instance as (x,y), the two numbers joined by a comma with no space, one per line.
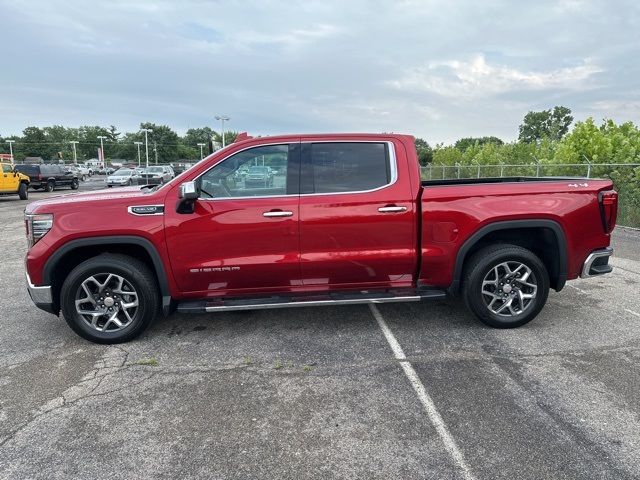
(41,296)
(597,263)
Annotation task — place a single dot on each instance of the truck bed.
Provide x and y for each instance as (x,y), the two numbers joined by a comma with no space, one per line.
(455,212)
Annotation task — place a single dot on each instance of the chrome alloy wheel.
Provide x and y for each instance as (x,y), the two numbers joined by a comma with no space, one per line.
(509,289)
(107,302)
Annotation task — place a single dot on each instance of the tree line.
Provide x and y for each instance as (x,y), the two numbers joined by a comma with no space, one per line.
(54,143)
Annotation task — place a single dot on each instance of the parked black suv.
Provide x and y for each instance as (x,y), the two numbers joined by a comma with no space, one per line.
(49,176)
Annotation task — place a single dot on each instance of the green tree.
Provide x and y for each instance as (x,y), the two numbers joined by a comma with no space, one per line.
(425,152)
(553,124)
(163,143)
(229,137)
(467,142)
(192,138)
(87,135)
(33,144)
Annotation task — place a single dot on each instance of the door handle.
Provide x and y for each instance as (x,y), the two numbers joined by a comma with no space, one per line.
(277,213)
(392,209)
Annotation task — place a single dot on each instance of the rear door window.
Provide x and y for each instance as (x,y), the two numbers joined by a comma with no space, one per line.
(349,166)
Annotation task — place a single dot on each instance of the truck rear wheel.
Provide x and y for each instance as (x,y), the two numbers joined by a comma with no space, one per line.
(505,285)
(23,191)
(110,298)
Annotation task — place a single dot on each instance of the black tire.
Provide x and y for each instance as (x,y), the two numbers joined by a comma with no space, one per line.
(84,178)
(74,184)
(129,183)
(486,263)
(136,273)
(49,186)
(23,191)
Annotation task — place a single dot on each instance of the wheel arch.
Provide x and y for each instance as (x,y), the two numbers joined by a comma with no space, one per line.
(69,255)
(534,234)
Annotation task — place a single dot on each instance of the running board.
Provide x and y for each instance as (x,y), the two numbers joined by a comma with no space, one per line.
(263,303)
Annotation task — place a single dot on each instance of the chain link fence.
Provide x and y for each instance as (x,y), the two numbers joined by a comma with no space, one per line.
(625,176)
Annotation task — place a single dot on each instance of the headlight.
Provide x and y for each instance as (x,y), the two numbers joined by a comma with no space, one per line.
(37,227)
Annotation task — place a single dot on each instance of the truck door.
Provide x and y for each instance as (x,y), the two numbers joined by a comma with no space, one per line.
(242,237)
(357,216)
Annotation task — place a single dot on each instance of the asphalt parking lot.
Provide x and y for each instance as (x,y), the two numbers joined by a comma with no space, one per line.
(323,392)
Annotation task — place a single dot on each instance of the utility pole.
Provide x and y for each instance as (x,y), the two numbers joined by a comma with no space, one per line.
(138,145)
(75,157)
(10,142)
(201,145)
(104,163)
(155,151)
(222,119)
(146,143)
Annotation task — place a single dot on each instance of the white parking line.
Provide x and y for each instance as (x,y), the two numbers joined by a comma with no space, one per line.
(632,312)
(578,289)
(425,399)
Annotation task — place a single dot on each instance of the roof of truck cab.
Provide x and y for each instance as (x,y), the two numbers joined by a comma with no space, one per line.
(324,136)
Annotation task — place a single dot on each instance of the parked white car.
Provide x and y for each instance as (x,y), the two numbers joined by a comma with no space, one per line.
(123,177)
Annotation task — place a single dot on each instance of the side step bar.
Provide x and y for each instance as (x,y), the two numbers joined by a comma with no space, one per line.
(263,303)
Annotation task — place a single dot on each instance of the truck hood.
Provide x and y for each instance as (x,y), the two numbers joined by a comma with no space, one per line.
(110,195)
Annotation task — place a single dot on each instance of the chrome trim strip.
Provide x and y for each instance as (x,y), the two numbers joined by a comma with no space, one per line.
(39,294)
(313,303)
(393,163)
(606,252)
(129,209)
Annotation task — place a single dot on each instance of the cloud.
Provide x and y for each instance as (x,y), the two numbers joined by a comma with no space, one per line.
(477,78)
(441,70)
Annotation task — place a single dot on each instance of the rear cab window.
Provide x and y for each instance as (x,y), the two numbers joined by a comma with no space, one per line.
(343,167)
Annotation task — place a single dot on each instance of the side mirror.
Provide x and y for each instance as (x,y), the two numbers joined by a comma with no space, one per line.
(188,194)
(188,191)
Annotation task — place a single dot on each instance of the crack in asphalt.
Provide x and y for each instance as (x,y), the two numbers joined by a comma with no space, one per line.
(68,398)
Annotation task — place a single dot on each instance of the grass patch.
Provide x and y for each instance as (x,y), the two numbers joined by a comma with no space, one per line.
(150,362)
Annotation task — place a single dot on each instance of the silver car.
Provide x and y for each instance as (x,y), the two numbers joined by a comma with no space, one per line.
(123,178)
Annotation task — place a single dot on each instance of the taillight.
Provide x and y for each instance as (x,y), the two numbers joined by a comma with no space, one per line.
(608,209)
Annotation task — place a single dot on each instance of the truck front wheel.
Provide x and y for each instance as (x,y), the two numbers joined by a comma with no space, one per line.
(111,298)
(505,285)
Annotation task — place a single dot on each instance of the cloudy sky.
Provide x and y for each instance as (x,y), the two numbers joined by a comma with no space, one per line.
(437,69)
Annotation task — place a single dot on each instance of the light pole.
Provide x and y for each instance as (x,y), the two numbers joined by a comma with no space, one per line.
(102,137)
(10,142)
(75,157)
(138,144)
(222,119)
(201,145)
(146,143)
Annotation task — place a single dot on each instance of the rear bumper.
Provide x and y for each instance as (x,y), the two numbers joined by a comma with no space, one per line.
(41,296)
(597,263)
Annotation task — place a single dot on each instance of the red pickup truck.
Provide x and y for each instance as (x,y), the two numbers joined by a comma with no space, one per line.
(344,219)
